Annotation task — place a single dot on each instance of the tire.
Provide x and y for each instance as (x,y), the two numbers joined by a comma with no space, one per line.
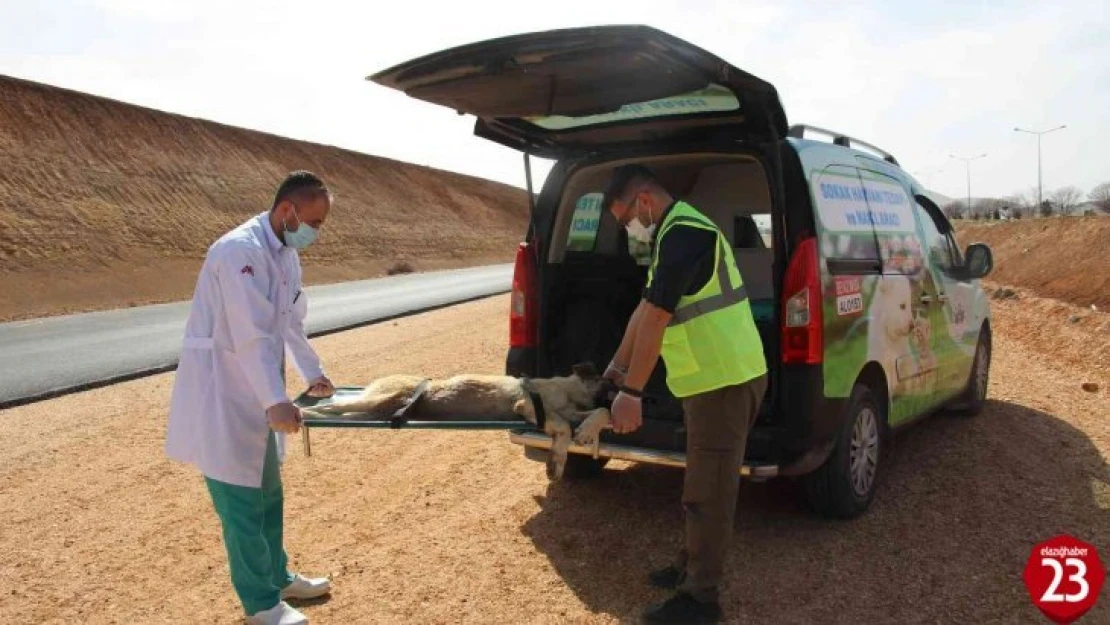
(842,488)
(974,397)
(581,467)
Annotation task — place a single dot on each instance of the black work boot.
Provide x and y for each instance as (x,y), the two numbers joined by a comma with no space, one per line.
(668,578)
(682,608)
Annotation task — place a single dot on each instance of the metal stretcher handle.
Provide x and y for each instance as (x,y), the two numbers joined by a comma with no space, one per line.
(308,424)
(419,425)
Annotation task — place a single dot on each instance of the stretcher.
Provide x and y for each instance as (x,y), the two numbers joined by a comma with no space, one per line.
(407,416)
(521,432)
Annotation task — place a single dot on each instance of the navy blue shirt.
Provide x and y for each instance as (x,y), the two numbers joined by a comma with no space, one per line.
(684,263)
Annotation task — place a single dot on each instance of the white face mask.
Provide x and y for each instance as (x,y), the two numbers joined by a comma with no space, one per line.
(639,231)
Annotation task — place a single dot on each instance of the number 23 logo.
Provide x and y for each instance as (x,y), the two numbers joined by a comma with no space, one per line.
(1079,577)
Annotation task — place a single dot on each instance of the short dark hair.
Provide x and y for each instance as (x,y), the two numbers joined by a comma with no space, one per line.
(301,185)
(622,178)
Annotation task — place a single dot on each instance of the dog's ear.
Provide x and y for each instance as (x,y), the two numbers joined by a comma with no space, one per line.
(586,370)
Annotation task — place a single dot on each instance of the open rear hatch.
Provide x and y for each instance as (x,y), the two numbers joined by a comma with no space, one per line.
(561,92)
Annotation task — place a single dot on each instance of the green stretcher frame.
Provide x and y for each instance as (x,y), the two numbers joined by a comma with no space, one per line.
(397,422)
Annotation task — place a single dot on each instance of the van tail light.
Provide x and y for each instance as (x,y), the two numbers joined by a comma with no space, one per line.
(802,325)
(522,314)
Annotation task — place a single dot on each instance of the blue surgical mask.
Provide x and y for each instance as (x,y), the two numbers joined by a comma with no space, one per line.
(302,237)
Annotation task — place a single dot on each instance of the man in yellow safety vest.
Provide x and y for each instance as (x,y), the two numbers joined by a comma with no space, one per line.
(694,313)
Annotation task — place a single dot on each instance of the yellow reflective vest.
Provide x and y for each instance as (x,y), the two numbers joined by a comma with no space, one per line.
(712,341)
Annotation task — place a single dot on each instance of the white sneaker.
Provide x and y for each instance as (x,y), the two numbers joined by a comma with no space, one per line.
(280,614)
(306,588)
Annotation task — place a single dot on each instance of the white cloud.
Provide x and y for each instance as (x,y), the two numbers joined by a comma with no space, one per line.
(920,79)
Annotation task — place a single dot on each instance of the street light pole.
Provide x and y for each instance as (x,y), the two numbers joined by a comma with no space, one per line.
(1040,199)
(967,162)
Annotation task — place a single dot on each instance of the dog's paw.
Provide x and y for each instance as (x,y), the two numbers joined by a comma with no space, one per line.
(585,438)
(589,431)
(555,466)
(587,434)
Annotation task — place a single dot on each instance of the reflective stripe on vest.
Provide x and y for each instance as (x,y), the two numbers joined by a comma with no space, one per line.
(728,296)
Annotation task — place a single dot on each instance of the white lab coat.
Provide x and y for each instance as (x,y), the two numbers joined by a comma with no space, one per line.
(243,315)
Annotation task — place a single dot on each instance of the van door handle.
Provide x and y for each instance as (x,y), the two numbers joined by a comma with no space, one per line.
(926,299)
(942,297)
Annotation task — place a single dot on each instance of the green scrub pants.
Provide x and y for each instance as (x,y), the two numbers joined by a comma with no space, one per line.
(252,531)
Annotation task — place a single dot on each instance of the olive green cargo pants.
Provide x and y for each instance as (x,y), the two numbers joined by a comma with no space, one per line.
(717,426)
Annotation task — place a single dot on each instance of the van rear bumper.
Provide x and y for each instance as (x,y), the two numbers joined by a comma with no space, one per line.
(538,440)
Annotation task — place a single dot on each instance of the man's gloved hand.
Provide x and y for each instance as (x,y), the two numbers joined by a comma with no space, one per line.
(615,374)
(284,417)
(627,413)
(321,387)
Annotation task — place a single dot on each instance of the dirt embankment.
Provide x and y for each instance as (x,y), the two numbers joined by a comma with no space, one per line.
(1065,258)
(105,204)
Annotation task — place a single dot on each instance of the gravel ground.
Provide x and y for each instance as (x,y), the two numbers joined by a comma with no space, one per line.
(96,526)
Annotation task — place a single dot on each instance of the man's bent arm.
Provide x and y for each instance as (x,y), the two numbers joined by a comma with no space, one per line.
(624,352)
(648,343)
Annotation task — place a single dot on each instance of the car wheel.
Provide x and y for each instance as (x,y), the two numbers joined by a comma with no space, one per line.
(580,467)
(845,485)
(975,396)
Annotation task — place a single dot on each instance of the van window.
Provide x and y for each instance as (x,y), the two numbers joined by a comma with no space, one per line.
(584,224)
(938,245)
(900,247)
(847,233)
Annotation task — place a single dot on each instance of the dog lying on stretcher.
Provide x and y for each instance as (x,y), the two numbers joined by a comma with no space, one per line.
(578,398)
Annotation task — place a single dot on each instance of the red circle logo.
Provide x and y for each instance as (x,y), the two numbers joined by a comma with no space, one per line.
(1064,577)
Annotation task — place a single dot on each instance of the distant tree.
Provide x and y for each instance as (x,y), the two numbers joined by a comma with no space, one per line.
(996,215)
(953,210)
(1025,203)
(987,207)
(1100,195)
(1046,209)
(1065,199)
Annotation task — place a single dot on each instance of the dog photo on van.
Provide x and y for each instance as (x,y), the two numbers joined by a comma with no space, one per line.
(567,400)
(890,322)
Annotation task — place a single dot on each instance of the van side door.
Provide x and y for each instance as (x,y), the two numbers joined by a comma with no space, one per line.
(899,305)
(951,314)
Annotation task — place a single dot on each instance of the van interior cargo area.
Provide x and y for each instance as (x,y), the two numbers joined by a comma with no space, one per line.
(595,280)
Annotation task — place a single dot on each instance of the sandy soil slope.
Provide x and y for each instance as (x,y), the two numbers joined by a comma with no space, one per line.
(105,204)
(442,527)
(1064,258)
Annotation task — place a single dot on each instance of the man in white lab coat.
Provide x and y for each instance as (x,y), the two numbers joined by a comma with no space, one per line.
(229,411)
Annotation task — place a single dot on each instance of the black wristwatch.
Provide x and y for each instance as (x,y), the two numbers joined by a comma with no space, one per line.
(631,392)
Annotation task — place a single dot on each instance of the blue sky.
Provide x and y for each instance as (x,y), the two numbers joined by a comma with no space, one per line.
(923,80)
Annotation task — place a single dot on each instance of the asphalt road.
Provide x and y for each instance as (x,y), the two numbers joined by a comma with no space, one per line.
(48,357)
